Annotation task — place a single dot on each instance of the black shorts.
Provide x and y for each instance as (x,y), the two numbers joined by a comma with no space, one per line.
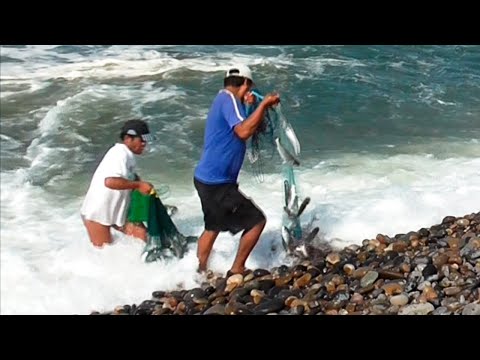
(225,208)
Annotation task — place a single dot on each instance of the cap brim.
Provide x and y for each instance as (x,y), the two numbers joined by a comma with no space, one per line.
(148,137)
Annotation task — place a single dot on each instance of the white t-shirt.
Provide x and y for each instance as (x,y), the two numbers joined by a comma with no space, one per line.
(104,205)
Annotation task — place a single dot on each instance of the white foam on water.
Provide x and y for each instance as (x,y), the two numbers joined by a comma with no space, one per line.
(116,62)
(358,197)
(49,266)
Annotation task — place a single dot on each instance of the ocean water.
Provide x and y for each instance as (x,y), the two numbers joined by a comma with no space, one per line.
(390,140)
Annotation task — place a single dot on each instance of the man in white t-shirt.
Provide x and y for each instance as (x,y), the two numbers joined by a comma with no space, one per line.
(108,197)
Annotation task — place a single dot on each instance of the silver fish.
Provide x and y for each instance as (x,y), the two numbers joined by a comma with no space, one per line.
(285,155)
(292,137)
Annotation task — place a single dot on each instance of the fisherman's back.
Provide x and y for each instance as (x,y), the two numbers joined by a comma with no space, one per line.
(223,151)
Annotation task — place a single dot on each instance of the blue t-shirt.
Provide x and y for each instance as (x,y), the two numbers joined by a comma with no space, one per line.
(223,151)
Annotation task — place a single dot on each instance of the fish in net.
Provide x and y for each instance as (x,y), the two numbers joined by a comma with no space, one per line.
(276,132)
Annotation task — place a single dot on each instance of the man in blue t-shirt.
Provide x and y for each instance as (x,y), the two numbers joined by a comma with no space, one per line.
(225,208)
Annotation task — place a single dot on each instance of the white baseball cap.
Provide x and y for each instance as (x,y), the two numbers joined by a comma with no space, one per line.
(239,70)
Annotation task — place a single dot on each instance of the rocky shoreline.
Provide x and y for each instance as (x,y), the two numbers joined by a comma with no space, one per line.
(433,271)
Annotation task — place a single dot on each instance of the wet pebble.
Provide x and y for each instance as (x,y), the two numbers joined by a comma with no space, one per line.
(429,271)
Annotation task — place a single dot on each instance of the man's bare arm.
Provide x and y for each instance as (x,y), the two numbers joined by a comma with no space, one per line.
(118,183)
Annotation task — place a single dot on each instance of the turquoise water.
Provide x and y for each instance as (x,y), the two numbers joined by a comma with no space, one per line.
(390,139)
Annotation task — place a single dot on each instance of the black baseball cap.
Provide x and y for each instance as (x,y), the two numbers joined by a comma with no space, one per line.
(136,127)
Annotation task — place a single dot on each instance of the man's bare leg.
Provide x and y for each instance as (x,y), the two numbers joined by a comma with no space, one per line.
(205,245)
(99,234)
(247,243)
